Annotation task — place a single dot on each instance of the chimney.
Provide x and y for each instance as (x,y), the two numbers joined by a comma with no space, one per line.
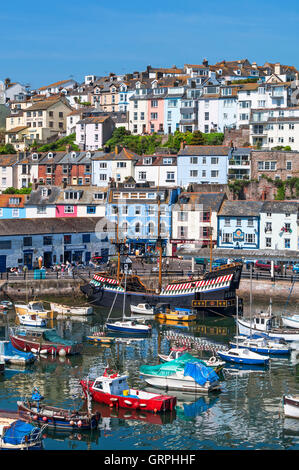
(182,146)
(254,65)
(277,69)
(116,150)
(205,62)
(68,148)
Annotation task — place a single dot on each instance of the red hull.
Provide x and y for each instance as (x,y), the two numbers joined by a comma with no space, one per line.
(138,415)
(23,344)
(157,404)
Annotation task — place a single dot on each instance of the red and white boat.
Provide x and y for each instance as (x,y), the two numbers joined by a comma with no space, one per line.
(112,389)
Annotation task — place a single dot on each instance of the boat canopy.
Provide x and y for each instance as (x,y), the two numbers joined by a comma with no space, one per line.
(200,373)
(51,335)
(170,367)
(7,350)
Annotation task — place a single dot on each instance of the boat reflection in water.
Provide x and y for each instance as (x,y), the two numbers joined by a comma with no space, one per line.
(177,323)
(64,436)
(137,415)
(242,369)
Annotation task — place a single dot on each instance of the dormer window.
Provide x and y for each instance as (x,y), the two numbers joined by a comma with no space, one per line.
(220,71)
(73,154)
(88,154)
(50,155)
(147,160)
(167,161)
(99,196)
(45,192)
(72,195)
(35,156)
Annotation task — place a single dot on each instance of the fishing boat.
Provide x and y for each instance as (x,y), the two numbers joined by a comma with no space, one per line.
(263,323)
(291,406)
(66,310)
(262,346)
(178,314)
(32,411)
(15,434)
(186,373)
(291,321)
(243,356)
(144,309)
(34,308)
(112,389)
(12,355)
(32,320)
(43,342)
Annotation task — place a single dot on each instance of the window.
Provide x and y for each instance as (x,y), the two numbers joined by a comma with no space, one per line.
(86,238)
(5,244)
(67,239)
(287,243)
(214,174)
(142,175)
(194,160)
(268,227)
(154,103)
(27,241)
(227,237)
(183,216)
(250,222)
(227,222)
(103,165)
(193,173)
(239,222)
(288,165)
(68,209)
(103,177)
(137,228)
(214,161)
(137,210)
(170,176)
(15,212)
(250,238)
(121,164)
(91,209)
(167,161)
(47,240)
(182,232)
(207,116)
(268,242)
(41,210)
(203,173)
(154,116)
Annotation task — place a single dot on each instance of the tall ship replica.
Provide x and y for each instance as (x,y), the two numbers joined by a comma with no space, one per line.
(214,291)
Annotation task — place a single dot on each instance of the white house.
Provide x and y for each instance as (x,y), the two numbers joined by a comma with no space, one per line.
(158,170)
(92,132)
(278,225)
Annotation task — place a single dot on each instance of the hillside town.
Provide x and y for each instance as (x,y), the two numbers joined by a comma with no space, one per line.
(202,155)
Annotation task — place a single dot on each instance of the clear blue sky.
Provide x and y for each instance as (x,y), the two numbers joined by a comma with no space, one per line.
(43,42)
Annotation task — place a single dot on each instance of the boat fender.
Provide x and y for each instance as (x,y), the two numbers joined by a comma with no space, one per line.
(35,351)
(62,352)
(43,351)
(80,423)
(128,402)
(35,417)
(45,419)
(113,399)
(143,405)
(72,423)
(155,410)
(212,359)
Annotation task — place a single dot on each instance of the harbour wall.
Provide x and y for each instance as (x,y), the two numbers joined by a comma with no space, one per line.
(261,289)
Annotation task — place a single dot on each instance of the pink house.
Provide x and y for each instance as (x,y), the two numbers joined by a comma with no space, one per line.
(66,210)
(155,114)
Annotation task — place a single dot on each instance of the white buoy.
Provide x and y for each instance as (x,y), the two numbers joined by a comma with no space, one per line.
(62,352)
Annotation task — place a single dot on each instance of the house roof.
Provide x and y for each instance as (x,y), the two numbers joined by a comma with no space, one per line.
(45,104)
(157,160)
(36,197)
(8,160)
(241,208)
(123,154)
(60,83)
(279,207)
(195,150)
(209,201)
(5,200)
(15,130)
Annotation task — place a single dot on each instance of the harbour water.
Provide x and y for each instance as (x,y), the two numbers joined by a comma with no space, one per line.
(247,414)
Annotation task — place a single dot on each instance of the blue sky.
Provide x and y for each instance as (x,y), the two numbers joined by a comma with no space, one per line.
(41,43)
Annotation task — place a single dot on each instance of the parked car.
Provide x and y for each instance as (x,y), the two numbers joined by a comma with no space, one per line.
(201,261)
(266,266)
(296,268)
(219,262)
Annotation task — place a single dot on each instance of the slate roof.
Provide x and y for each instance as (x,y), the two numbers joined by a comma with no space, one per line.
(209,201)
(241,208)
(196,150)
(278,207)
(36,198)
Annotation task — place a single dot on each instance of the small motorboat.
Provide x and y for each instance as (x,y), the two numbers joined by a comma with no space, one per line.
(178,314)
(291,321)
(11,355)
(15,434)
(185,373)
(261,345)
(66,310)
(32,320)
(35,308)
(264,323)
(176,352)
(129,326)
(43,342)
(291,406)
(243,356)
(144,309)
(112,389)
(58,418)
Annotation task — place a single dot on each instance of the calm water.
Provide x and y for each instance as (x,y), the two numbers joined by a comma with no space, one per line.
(246,414)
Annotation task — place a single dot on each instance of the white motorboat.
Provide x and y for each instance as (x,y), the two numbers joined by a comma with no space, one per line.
(292,321)
(243,356)
(35,308)
(264,323)
(6,304)
(32,320)
(176,352)
(291,406)
(261,345)
(129,327)
(179,381)
(67,310)
(143,309)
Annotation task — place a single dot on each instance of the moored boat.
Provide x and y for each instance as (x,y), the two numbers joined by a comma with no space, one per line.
(264,323)
(15,434)
(178,314)
(291,321)
(43,342)
(66,310)
(176,352)
(185,373)
(291,406)
(144,309)
(32,320)
(34,308)
(34,412)
(129,326)
(261,346)
(243,356)
(113,389)
(12,355)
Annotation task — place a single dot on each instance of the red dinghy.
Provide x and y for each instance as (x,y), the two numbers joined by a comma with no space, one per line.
(113,389)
